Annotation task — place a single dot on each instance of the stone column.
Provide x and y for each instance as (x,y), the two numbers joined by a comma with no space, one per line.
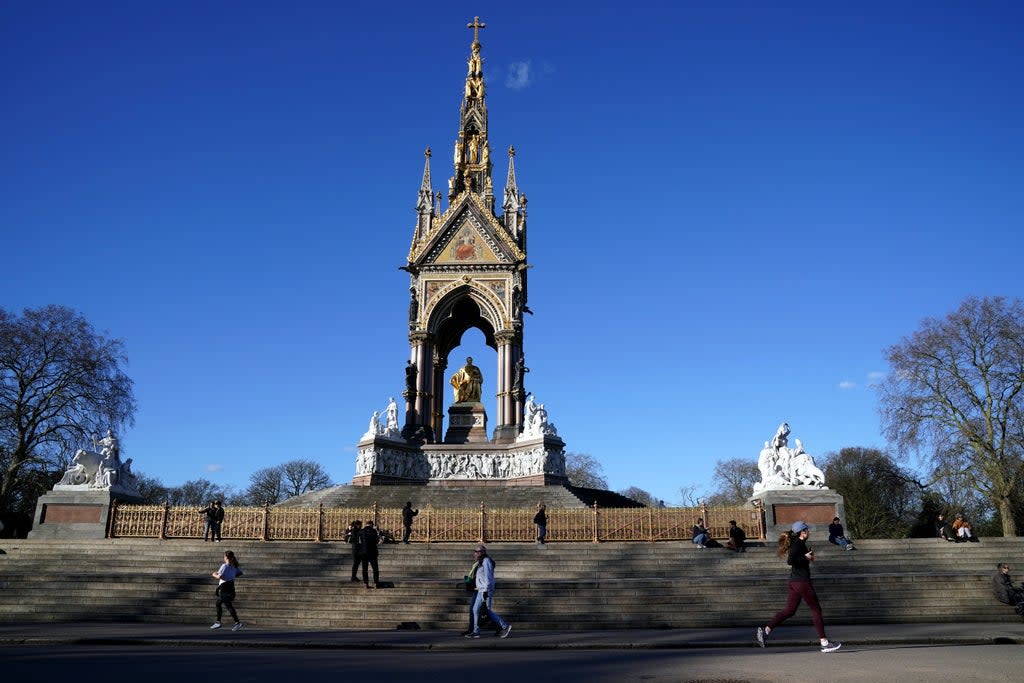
(438,366)
(507,429)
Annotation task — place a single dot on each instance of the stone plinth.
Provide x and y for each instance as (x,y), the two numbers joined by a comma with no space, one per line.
(467,423)
(815,506)
(76,513)
(532,462)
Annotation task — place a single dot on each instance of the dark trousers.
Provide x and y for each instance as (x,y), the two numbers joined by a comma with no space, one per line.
(370,560)
(801,590)
(226,598)
(356,561)
(405,533)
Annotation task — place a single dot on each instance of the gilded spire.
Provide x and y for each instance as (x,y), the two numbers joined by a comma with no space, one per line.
(511,200)
(426,196)
(472,155)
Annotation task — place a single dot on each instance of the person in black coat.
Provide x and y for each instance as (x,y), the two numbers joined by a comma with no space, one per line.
(541,521)
(737,538)
(407,514)
(1005,591)
(352,538)
(369,539)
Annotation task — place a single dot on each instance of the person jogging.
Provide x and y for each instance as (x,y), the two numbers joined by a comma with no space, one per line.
(793,546)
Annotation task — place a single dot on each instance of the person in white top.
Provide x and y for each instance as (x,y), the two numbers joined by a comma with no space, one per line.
(228,572)
(485,594)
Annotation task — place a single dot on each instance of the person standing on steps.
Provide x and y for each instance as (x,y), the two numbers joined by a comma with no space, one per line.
(485,594)
(228,572)
(793,546)
(352,538)
(541,521)
(369,539)
(407,514)
(209,520)
(218,520)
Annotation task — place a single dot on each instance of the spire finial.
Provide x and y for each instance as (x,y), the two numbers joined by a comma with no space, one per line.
(427,153)
(476,26)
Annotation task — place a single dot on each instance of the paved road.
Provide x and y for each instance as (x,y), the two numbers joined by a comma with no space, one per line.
(160,664)
(155,653)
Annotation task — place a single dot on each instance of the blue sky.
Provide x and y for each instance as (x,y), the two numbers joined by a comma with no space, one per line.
(735,207)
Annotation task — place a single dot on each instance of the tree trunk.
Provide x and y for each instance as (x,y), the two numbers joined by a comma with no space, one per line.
(1006,513)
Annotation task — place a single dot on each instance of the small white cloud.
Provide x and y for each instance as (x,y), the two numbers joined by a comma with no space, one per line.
(847,384)
(519,76)
(876,376)
(215,468)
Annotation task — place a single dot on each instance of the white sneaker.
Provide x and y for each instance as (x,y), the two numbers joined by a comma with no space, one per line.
(239,626)
(505,631)
(831,646)
(216,625)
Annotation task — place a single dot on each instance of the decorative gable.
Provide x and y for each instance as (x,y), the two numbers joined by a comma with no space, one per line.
(468,236)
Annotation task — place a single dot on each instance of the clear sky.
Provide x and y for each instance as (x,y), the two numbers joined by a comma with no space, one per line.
(735,207)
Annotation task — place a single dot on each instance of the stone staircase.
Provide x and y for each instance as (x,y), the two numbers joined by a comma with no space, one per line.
(504,497)
(559,586)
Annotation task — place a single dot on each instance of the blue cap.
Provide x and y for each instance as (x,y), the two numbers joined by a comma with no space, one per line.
(799,526)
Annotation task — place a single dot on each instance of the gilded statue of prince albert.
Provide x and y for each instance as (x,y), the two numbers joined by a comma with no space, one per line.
(467,382)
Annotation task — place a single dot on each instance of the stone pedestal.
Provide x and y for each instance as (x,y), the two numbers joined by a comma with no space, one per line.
(76,512)
(467,423)
(815,506)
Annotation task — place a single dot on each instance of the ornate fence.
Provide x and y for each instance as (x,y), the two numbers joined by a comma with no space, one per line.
(437,525)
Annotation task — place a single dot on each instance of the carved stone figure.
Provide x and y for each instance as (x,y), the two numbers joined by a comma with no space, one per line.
(391,427)
(467,383)
(410,377)
(107,445)
(783,467)
(83,468)
(517,377)
(780,440)
(374,428)
(535,421)
(414,306)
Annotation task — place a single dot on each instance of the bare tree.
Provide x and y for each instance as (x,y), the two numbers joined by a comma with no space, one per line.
(956,386)
(641,496)
(584,470)
(271,485)
(195,493)
(302,476)
(266,486)
(60,382)
(734,480)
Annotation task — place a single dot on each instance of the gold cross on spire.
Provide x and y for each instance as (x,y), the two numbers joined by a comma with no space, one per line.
(476,26)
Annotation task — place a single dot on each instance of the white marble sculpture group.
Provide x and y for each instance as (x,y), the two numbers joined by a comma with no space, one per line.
(100,469)
(783,467)
(389,429)
(535,421)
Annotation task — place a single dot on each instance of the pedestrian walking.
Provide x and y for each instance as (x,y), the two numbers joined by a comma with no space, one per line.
(541,521)
(352,538)
(369,539)
(485,595)
(793,546)
(228,572)
(407,514)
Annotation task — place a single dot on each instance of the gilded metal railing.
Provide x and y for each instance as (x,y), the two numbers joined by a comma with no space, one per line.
(436,525)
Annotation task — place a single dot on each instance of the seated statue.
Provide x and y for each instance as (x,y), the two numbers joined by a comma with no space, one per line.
(467,383)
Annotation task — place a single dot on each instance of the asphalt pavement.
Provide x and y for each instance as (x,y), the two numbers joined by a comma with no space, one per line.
(200,635)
